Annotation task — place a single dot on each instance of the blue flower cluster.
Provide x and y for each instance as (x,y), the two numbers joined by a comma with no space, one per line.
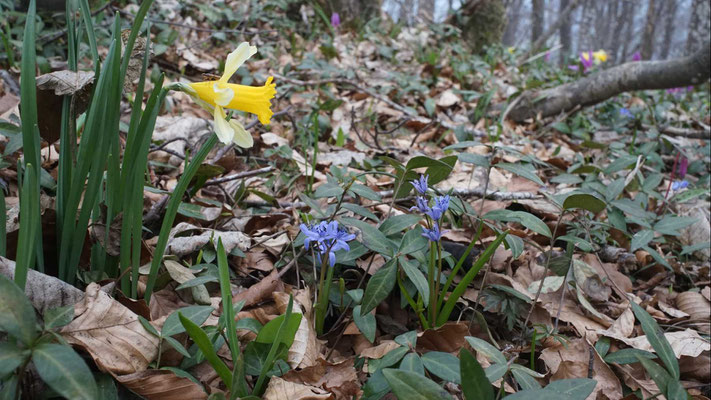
(328,238)
(678,185)
(441,204)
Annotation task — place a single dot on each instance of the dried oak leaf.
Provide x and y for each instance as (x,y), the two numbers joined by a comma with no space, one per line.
(111,333)
(162,385)
(448,338)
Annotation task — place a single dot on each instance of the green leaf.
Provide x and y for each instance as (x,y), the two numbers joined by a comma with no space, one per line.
(328,189)
(658,374)
(443,365)
(475,384)
(379,286)
(537,394)
(10,357)
(249,324)
(365,192)
(576,388)
(641,238)
(205,345)
(397,223)
(365,323)
(669,225)
(413,363)
(412,241)
(388,360)
(491,352)
(64,371)
(408,385)
(525,380)
(17,316)
(496,371)
(360,210)
(628,356)
(148,326)
(60,316)
(582,244)
(476,159)
(657,340)
(177,346)
(523,170)
(196,314)
(407,339)
(270,332)
(416,277)
(695,247)
(585,201)
(200,280)
(372,238)
(526,219)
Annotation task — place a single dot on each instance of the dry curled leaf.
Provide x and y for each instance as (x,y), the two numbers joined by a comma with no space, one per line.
(340,378)
(694,304)
(162,385)
(111,334)
(279,389)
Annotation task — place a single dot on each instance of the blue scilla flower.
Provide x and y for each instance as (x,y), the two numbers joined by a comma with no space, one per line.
(421,205)
(678,185)
(433,234)
(328,238)
(625,112)
(440,207)
(421,184)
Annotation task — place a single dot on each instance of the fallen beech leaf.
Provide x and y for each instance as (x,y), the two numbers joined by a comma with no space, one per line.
(279,389)
(155,384)
(305,348)
(380,350)
(340,378)
(111,333)
(448,338)
(624,324)
(683,343)
(570,312)
(694,304)
(260,291)
(573,360)
(673,312)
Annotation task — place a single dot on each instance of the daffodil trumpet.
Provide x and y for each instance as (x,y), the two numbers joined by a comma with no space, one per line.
(216,96)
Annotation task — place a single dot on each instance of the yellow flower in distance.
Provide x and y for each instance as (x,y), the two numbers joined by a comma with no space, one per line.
(600,56)
(218,95)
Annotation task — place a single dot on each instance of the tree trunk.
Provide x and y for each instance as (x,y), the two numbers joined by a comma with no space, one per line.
(586,21)
(426,10)
(648,75)
(669,25)
(485,24)
(564,32)
(562,18)
(629,31)
(698,24)
(623,21)
(648,37)
(538,17)
(513,17)
(610,19)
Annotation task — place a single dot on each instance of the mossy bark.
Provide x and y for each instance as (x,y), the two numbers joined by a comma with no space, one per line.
(484,23)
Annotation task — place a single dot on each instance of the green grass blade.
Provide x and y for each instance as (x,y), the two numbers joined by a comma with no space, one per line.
(86,16)
(259,386)
(3,222)
(656,338)
(29,221)
(172,210)
(462,286)
(205,345)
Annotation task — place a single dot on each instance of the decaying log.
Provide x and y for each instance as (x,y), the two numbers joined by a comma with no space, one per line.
(646,75)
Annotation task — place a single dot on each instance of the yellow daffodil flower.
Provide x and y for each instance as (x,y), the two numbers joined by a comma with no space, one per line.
(218,95)
(600,56)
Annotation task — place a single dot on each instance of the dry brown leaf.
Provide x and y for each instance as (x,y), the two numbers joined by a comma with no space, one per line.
(111,333)
(258,259)
(306,347)
(572,361)
(340,378)
(260,291)
(182,274)
(162,385)
(448,338)
(570,312)
(694,304)
(683,343)
(673,312)
(624,324)
(380,350)
(279,389)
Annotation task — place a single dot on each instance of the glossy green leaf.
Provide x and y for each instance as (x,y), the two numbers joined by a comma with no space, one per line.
(526,219)
(17,316)
(196,314)
(641,238)
(205,345)
(60,316)
(10,357)
(379,286)
(583,201)
(408,385)
(523,170)
(443,365)
(656,338)
(575,389)
(372,238)
(413,363)
(64,371)
(416,277)
(365,323)
(658,374)
(398,223)
(475,384)
(270,332)
(670,225)
(628,356)
(491,352)
(412,241)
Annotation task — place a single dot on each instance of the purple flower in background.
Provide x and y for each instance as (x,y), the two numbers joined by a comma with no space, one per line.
(573,67)
(636,56)
(335,20)
(433,234)
(625,112)
(683,166)
(678,185)
(586,58)
(421,184)
(547,57)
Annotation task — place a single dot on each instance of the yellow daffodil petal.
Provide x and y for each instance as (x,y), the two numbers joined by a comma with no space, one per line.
(600,55)
(241,137)
(255,100)
(586,56)
(236,59)
(223,129)
(223,94)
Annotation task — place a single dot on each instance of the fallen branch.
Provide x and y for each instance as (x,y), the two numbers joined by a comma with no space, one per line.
(684,132)
(598,87)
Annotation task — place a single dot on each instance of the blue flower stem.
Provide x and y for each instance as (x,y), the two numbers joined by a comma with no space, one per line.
(430,279)
(437,280)
(323,288)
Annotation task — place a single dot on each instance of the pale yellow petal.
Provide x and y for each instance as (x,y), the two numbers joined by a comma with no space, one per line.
(241,138)
(223,94)
(236,59)
(223,129)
